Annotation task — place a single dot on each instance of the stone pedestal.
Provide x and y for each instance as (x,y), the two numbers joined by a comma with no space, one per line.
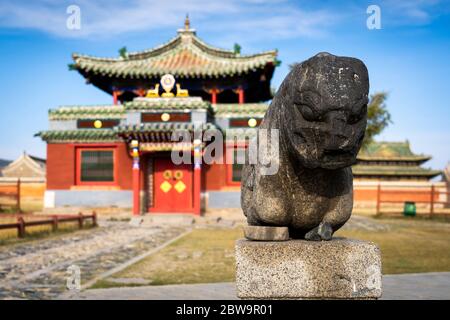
(298,269)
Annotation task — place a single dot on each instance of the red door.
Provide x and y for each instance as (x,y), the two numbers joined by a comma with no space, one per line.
(172,187)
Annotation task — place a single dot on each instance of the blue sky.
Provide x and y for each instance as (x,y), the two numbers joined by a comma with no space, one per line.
(408,56)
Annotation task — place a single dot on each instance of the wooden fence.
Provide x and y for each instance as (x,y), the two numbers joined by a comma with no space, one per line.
(52,220)
(430,198)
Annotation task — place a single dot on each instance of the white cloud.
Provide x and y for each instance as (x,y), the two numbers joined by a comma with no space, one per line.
(263,19)
(412,12)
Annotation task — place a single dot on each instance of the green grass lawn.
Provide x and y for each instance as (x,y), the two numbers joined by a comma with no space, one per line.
(207,255)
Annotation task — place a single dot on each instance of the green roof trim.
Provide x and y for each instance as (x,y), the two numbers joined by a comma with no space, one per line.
(390,151)
(87,112)
(184,103)
(366,170)
(240,133)
(163,127)
(80,135)
(257,110)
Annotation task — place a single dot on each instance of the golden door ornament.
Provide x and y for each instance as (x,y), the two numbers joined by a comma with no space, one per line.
(178,175)
(167,174)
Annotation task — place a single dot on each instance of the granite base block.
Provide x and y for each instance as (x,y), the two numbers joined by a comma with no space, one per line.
(298,269)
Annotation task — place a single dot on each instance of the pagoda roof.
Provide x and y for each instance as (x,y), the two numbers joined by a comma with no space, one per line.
(257,110)
(86,112)
(390,151)
(185,56)
(405,171)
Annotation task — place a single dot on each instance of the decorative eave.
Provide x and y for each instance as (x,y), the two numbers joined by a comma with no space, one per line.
(163,127)
(364,170)
(255,110)
(87,112)
(159,131)
(167,104)
(415,158)
(185,56)
(240,134)
(80,135)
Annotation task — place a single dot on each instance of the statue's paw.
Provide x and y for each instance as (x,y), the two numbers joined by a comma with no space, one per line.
(322,232)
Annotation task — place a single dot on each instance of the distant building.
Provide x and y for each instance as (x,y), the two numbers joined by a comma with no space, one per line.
(26,166)
(392,161)
(391,173)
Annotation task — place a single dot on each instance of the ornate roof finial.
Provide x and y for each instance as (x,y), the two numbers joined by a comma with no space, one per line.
(187,23)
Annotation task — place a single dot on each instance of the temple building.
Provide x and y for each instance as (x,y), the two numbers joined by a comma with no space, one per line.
(120,154)
(389,174)
(26,166)
(392,161)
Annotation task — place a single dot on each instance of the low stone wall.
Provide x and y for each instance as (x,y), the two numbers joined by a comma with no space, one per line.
(223,199)
(88,198)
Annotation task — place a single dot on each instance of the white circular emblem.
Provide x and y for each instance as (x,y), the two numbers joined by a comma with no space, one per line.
(167,82)
(252,122)
(165,117)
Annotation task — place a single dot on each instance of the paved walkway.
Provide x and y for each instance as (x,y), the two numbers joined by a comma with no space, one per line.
(405,286)
(38,269)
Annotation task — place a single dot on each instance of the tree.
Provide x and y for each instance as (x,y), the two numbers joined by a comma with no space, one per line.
(378,117)
(237,48)
(123,52)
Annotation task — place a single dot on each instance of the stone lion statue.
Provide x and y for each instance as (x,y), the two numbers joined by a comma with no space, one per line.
(320,111)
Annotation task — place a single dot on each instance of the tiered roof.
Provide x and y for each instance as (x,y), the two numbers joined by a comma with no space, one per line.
(392,159)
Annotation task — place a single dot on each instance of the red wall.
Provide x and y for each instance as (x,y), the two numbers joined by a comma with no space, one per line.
(214,177)
(61,166)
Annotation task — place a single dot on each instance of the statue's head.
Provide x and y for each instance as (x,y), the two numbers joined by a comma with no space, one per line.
(324,110)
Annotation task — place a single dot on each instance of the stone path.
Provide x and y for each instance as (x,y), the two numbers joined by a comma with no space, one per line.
(395,287)
(38,269)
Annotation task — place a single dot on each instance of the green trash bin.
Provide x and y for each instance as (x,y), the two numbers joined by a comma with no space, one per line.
(409,209)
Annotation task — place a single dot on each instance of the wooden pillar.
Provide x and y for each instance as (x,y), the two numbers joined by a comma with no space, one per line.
(115,95)
(136,173)
(197,189)
(136,187)
(197,177)
(213,96)
(20,227)
(241,95)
